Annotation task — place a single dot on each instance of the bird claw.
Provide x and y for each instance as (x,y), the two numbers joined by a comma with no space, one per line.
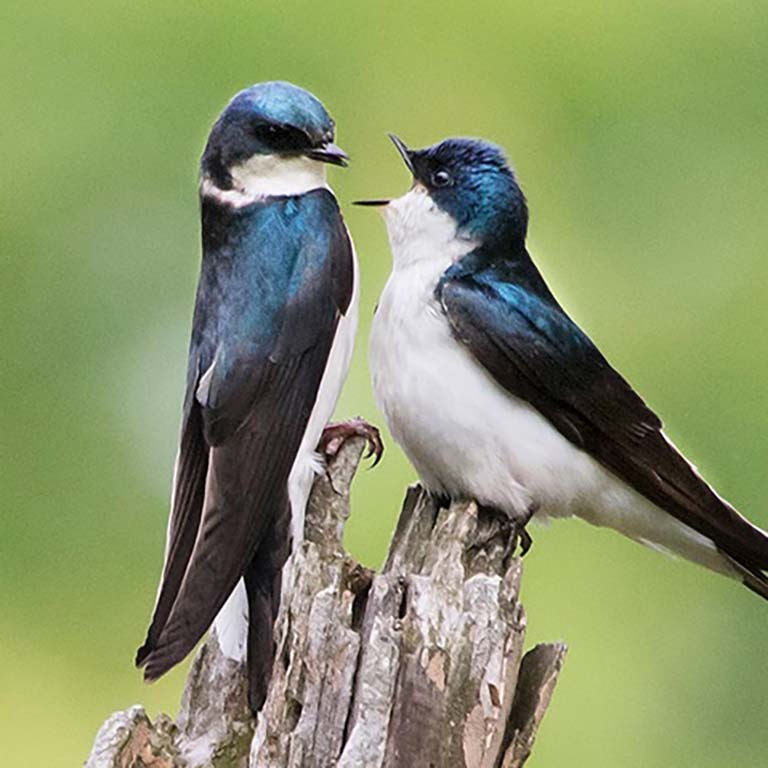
(336,434)
(520,536)
(518,532)
(440,500)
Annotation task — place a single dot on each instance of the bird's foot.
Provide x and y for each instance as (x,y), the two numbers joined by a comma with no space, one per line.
(520,536)
(440,500)
(515,530)
(337,433)
(520,533)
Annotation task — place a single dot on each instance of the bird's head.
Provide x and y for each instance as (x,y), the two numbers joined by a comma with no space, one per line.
(265,130)
(470,182)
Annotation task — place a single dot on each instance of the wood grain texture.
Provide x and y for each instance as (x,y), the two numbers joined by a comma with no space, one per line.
(419,665)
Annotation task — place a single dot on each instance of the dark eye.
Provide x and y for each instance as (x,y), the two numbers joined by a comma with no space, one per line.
(281,137)
(441,178)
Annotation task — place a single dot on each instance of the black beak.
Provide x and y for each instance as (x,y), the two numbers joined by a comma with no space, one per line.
(405,153)
(371,202)
(329,153)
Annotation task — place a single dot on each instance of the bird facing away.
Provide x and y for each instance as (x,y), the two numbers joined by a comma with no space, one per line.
(272,335)
(496,395)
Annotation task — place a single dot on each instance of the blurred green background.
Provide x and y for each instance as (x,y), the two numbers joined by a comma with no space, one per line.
(640,133)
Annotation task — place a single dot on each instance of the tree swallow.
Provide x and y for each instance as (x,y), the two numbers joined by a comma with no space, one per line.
(496,395)
(272,335)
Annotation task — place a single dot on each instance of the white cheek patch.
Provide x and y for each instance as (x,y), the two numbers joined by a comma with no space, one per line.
(267,176)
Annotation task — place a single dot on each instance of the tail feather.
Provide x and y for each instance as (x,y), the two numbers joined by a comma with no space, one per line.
(262,608)
(263,581)
(754,579)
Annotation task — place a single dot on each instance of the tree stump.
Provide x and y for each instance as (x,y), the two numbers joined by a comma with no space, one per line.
(420,665)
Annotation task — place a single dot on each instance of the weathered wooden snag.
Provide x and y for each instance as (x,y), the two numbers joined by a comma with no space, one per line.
(420,665)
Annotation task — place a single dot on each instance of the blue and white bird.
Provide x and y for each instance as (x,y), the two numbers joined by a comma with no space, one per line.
(496,395)
(272,335)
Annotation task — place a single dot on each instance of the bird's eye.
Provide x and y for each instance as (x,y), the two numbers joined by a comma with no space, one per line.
(281,137)
(441,178)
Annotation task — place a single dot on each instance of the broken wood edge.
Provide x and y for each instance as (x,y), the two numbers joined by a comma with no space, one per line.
(538,676)
(342,608)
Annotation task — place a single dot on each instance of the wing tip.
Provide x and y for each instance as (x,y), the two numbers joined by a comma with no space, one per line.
(160,656)
(757,583)
(754,578)
(142,654)
(155,666)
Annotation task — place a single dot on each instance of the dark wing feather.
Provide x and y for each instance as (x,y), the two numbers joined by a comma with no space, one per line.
(519,333)
(266,315)
(247,483)
(189,492)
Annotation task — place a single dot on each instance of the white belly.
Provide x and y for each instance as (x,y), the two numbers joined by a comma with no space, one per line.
(465,435)
(468,437)
(308,463)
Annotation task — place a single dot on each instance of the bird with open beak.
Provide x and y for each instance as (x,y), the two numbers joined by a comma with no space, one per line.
(496,395)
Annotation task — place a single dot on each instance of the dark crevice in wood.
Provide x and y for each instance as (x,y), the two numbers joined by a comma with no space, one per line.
(360,580)
(293,713)
(402,610)
(419,665)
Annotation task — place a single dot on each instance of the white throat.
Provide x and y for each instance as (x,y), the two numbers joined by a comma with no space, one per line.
(419,230)
(267,176)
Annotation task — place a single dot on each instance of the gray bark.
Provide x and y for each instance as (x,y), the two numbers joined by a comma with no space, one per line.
(421,664)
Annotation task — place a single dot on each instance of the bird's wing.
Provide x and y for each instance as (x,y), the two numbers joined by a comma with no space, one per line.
(261,338)
(536,352)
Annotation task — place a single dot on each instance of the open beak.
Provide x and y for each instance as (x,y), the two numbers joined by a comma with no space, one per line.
(329,153)
(405,153)
(371,202)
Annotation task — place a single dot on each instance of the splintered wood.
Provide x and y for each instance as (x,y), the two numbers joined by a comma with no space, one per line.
(420,665)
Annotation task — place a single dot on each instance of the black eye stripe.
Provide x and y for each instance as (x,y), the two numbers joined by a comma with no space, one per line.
(284,137)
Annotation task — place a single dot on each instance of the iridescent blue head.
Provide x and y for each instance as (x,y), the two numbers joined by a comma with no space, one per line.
(273,118)
(472,182)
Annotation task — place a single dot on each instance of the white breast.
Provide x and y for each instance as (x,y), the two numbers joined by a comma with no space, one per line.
(467,436)
(464,434)
(308,463)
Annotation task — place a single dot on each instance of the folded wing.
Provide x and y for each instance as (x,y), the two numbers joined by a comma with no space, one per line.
(519,333)
(274,282)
